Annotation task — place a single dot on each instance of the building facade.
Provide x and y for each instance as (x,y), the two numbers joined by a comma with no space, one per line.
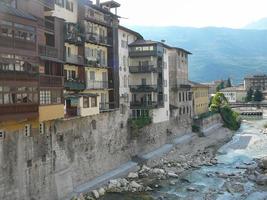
(200,98)
(235,94)
(31,63)
(149,80)
(256,82)
(180,89)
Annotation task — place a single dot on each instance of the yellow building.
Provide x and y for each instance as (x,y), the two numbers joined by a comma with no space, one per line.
(200,98)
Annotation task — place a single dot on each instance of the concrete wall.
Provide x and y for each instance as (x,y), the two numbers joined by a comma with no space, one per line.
(208,121)
(72,152)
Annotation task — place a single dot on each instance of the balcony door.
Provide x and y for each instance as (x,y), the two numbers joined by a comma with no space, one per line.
(105,79)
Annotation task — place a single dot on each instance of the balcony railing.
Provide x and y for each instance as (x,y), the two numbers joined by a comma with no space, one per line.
(18,76)
(143,88)
(49,25)
(48,3)
(106,107)
(74,38)
(143,104)
(143,69)
(75,59)
(100,20)
(48,52)
(95,38)
(18,111)
(95,63)
(51,81)
(143,53)
(74,85)
(97,84)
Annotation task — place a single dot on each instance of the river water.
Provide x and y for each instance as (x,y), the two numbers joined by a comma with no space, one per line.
(247,144)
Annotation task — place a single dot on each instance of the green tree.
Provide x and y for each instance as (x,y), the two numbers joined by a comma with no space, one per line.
(258,96)
(220,86)
(230,118)
(229,83)
(218,101)
(249,96)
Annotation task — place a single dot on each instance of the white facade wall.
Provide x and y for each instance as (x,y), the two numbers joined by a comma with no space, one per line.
(230,96)
(62,12)
(163,114)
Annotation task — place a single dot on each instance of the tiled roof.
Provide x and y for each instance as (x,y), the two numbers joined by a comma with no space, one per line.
(4,8)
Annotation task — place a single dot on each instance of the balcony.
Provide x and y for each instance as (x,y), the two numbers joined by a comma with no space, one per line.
(18,111)
(104,21)
(74,38)
(48,53)
(97,85)
(18,76)
(95,63)
(74,85)
(143,69)
(106,107)
(143,53)
(48,3)
(143,105)
(143,88)
(51,81)
(75,59)
(98,39)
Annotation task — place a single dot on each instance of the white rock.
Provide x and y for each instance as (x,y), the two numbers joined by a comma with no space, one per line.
(148,189)
(123,182)
(133,175)
(101,192)
(172,175)
(146,168)
(192,189)
(133,184)
(158,171)
(95,194)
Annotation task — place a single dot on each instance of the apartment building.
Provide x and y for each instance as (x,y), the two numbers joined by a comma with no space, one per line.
(200,98)
(236,94)
(256,82)
(31,78)
(180,88)
(149,80)
(126,37)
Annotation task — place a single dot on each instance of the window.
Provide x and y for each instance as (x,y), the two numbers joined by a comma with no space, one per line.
(41,128)
(27,130)
(143,81)
(124,61)
(2,135)
(180,97)
(165,97)
(165,83)
(92,75)
(86,102)
(60,3)
(45,97)
(69,5)
(93,123)
(29,163)
(94,102)
(56,96)
(124,44)
(125,81)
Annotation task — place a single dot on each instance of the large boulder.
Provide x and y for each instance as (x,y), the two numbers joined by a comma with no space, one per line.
(264,162)
(133,175)
(95,194)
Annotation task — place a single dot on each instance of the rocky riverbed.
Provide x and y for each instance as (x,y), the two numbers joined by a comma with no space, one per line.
(203,169)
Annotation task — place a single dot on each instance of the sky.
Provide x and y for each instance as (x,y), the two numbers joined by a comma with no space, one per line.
(193,13)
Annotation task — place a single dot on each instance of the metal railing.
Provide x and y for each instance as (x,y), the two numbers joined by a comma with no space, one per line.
(143,69)
(75,59)
(97,84)
(106,106)
(51,81)
(92,37)
(74,85)
(48,51)
(143,88)
(143,104)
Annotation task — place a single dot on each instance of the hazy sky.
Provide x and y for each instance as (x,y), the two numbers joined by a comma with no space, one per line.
(196,13)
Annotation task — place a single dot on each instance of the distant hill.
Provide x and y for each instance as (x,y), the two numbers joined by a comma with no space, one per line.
(258,25)
(217,52)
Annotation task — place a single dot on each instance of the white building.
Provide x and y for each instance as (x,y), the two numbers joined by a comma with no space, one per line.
(235,94)
(125,37)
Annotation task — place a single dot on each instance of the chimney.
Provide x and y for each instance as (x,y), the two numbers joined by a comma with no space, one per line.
(98,2)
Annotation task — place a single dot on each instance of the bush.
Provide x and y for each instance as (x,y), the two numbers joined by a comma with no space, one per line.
(140,122)
(195,129)
(231,119)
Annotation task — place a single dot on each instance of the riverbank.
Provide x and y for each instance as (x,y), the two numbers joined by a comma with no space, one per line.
(197,152)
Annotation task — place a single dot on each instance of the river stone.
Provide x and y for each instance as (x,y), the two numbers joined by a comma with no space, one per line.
(95,194)
(135,185)
(261,180)
(172,175)
(158,171)
(101,192)
(192,189)
(264,162)
(133,175)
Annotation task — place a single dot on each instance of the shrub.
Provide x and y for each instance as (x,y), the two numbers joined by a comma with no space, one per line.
(195,128)
(231,119)
(140,122)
